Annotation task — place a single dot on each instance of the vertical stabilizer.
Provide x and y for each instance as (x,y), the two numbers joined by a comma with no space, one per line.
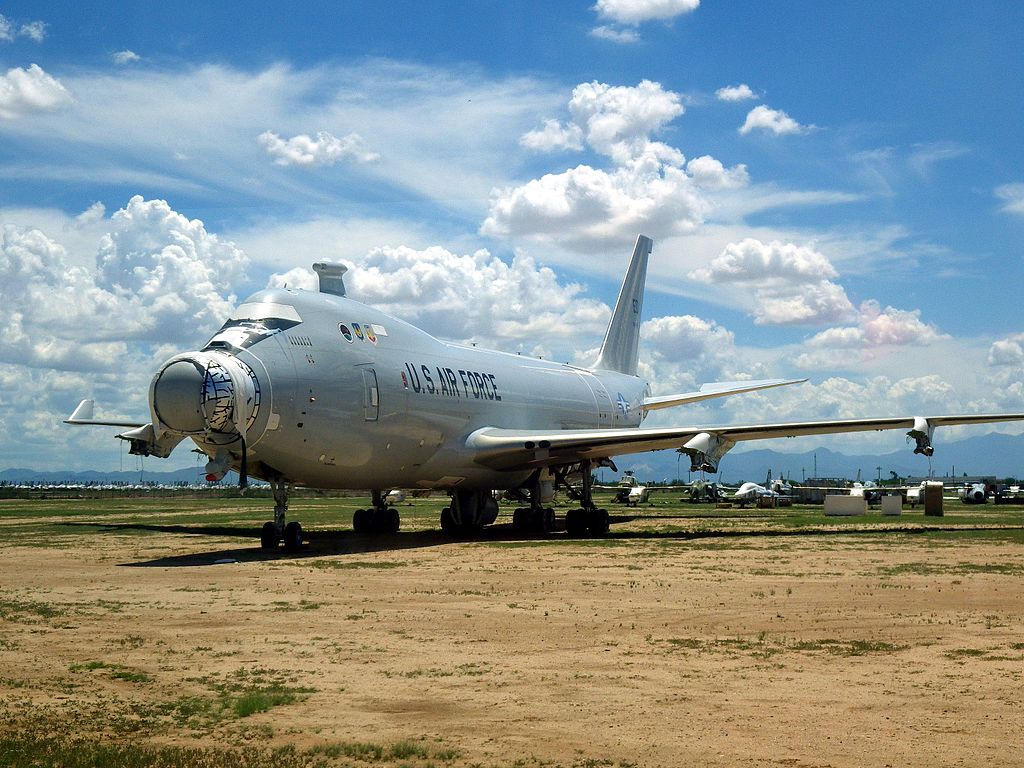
(620,349)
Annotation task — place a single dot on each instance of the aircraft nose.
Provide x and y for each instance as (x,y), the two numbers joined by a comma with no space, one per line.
(178,396)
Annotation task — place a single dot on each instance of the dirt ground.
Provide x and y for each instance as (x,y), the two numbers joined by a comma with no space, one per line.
(875,649)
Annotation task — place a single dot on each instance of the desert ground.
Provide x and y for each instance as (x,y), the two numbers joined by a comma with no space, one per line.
(155,632)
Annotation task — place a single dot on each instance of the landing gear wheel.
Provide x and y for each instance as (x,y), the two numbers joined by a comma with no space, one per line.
(268,536)
(293,536)
(448,522)
(388,520)
(521,520)
(547,520)
(576,522)
(597,522)
(361,520)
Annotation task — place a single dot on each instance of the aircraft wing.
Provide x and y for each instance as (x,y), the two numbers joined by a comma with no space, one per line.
(716,389)
(511,449)
(83,415)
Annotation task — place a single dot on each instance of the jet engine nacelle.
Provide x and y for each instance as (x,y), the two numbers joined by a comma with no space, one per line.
(705,451)
(212,397)
(922,434)
(974,494)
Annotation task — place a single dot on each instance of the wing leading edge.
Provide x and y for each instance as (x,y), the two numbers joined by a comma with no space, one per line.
(513,449)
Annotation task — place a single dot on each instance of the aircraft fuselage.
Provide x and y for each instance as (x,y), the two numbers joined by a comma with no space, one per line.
(341,395)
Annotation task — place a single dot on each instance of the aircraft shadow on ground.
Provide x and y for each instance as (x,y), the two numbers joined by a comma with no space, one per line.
(326,543)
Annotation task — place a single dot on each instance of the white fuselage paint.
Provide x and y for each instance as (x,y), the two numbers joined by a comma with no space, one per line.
(391,406)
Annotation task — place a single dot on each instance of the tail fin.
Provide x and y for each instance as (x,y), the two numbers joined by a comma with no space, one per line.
(620,349)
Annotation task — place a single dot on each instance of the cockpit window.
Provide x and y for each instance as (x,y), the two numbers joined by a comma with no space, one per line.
(256,310)
(252,323)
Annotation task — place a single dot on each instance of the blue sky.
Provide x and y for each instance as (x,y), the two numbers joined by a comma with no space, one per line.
(835,191)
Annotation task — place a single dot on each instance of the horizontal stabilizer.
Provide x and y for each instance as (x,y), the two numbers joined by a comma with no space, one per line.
(716,389)
(83,415)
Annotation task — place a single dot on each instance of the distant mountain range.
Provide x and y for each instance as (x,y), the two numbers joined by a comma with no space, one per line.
(189,475)
(993,454)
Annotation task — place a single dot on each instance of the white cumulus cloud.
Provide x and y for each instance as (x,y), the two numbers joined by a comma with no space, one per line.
(741,92)
(326,149)
(891,326)
(23,91)
(615,34)
(553,137)
(709,173)
(647,187)
(170,266)
(160,278)
(1012,196)
(876,329)
(814,303)
(626,15)
(469,297)
(1008,351)
(763,118)
(638,11)
(619,120)
(90,215)
(34,30)
(751,260)
(125,57)
(791,284)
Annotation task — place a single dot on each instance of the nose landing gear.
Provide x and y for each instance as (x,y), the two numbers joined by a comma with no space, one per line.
(276,531)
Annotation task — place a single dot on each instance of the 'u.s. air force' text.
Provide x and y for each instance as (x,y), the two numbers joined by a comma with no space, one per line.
(435,380)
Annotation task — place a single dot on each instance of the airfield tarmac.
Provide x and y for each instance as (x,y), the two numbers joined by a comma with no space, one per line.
(691,636)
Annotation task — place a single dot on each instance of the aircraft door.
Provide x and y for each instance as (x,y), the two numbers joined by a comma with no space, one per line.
(602,400)
(371,395)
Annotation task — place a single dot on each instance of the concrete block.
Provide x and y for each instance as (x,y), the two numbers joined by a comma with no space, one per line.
(845,505)
(892,505)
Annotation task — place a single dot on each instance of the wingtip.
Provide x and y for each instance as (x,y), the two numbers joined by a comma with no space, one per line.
(83,412)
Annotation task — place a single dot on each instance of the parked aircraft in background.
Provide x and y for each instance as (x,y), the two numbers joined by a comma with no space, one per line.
(701,490)
(750,492)
(314,388)
(632,492)
(870,492)
(780,485)
(974,493)
(915,495)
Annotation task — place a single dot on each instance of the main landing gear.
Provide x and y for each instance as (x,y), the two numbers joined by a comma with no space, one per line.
(534,519)
(470,510)
(586,520)
(379,519)
(276,531)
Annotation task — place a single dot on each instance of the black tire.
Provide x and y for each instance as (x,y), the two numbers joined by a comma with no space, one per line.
(547,520)
(268,536)
(361,520)
(394,520)
(597,522)
(293,536)
(575,522)
(448,522)
(520,520)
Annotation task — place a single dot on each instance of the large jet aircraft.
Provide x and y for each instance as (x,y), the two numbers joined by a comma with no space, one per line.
(314,388)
